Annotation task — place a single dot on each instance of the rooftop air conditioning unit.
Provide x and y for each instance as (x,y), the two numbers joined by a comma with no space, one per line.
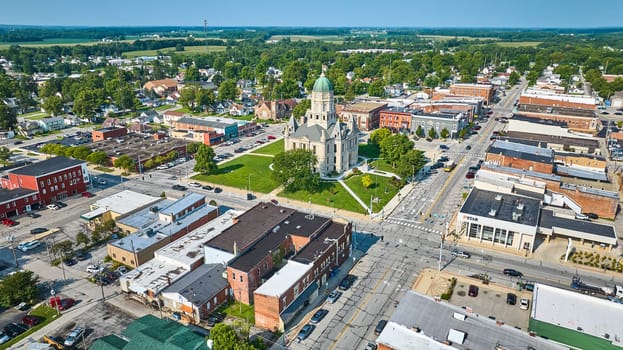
(492,212)
(498,197)
(520,206)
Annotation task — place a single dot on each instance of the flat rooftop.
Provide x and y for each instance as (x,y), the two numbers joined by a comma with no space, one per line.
(48,166)
(302,224)
(159,230)
(144,217)
(258,251)
(11,195)
(188,249)
(502,206)
(320,244)
(137,146)
(204,122)
(152,276)
(573,310)
(523,151)
(365,107)
(200,285)
(283,279)
(250,227)
(585,229)
(415,310)
(181,204)
(122,203)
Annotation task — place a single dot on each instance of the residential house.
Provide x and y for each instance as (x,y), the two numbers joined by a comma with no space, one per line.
(113,123)
(239,109)
(275,109)
(170,117)
(161,87)
(51,124)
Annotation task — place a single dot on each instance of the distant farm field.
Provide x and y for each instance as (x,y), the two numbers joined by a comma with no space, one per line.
(518,43)
(450,37)
(169,50)
(51,42)
(330,38)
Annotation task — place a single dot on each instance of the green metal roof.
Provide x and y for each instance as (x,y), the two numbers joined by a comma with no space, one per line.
(109,342)
(323,84)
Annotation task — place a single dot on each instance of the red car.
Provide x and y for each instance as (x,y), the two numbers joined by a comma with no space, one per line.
(271,137)
(8,222)
(66,304)
(31,321)
(87,194)
(469,175)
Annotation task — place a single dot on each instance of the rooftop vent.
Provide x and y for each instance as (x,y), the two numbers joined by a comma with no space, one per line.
(282,211)
(498,197)
(520,206)
(286,222)
(516,216)
(276,229)
(492,212)
(298,227)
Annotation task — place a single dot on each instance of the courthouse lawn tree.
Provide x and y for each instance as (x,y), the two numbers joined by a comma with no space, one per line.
(294,169)
(394,147)
(204,160)
(444,133)
(366,181)
(432,133)
(378,135)
(410,163)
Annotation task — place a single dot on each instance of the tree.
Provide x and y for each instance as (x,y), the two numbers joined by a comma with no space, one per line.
(378,135)
(124,162)
(193,147)
(5,154)
(366,181)
(513,78)
(86,102)
(192,74)
(410,163)
(53,105)
(97,157)
(18,287)
(377,88)
(394,146)
(444,133)
(419,131)
(294,169)
(125,98)
(462,133)
(287,89)
(301,108)
(62,248)
(204,160)
(149,163)
(228,90)
(96,236)
(82,238)
(81,152)
(432,133)
(226,337)
(8,119)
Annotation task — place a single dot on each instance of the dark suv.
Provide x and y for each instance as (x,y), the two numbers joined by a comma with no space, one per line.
(512,272)
(347,282)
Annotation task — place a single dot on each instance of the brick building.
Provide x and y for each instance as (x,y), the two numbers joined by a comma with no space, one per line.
(521,156)
(396,118)
(275,109)
(223,126)
(303,277)
(366,114)
(547,98)
(484,91)
(49,181)
(161,87)
(105,133)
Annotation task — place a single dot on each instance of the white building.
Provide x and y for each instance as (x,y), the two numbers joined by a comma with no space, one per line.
(334,143)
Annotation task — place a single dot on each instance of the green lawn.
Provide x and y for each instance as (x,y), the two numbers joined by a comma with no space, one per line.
(163,107)
(171,50)
(382,165)
(235,173)
(369,150)
(34,115)
(381,187)
(272,149)
(233,309)
(45,313)
(331,194)
(519,43)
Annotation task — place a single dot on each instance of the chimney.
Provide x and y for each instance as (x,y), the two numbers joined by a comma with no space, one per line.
(235,248)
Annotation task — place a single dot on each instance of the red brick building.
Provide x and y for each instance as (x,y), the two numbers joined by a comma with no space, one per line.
(367,114)
(549,99)
(484,91)
(275,110)
(42,183)
(105,133)
(520,156)
(396,118)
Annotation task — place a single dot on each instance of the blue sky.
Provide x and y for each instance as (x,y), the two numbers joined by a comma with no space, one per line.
(323,13)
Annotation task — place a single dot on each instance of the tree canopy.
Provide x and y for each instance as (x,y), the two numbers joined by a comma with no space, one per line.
(204,160)
(294,169)
(18,287)
(394,147)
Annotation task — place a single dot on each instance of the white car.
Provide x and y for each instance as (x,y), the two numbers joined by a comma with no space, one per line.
(524,303)
(94,268)
(53,207)
(24,247)
(162,167)
(194,184)
(74,336)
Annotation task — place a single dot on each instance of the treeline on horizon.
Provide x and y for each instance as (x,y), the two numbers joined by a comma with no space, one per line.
(16,34)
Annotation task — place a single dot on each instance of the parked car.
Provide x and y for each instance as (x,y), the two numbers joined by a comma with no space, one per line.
(53,207)
(592,216)
(69,262)
(33,215)
(473,291)
(305,332)
(179,187)
(22,306)
(38,230)
(8,222)
(194,185)
(371,346)
(28,246)
(271,137)
(81,255)
(461,254)
(513,273)
(380,326)
(214,318)
(334,296)
(4,338)
(347,282)
(162,167)
(74,336)
(470,175)
(580,216)
(239,150)
(524,304)
(318,316)
(87,194)
(14,329)
(511,299)
(56,342)
(207,188)
(121,270)
(102,182)
(218,190)
(30,321)
(468,147)
(66,304)
(94,268)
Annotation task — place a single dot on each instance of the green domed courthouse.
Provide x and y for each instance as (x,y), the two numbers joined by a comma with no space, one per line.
(334,143)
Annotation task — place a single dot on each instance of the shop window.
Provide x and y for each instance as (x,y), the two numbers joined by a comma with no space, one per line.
(473,230)
(509,240)
(487,233)
(123,258)
(500,235)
